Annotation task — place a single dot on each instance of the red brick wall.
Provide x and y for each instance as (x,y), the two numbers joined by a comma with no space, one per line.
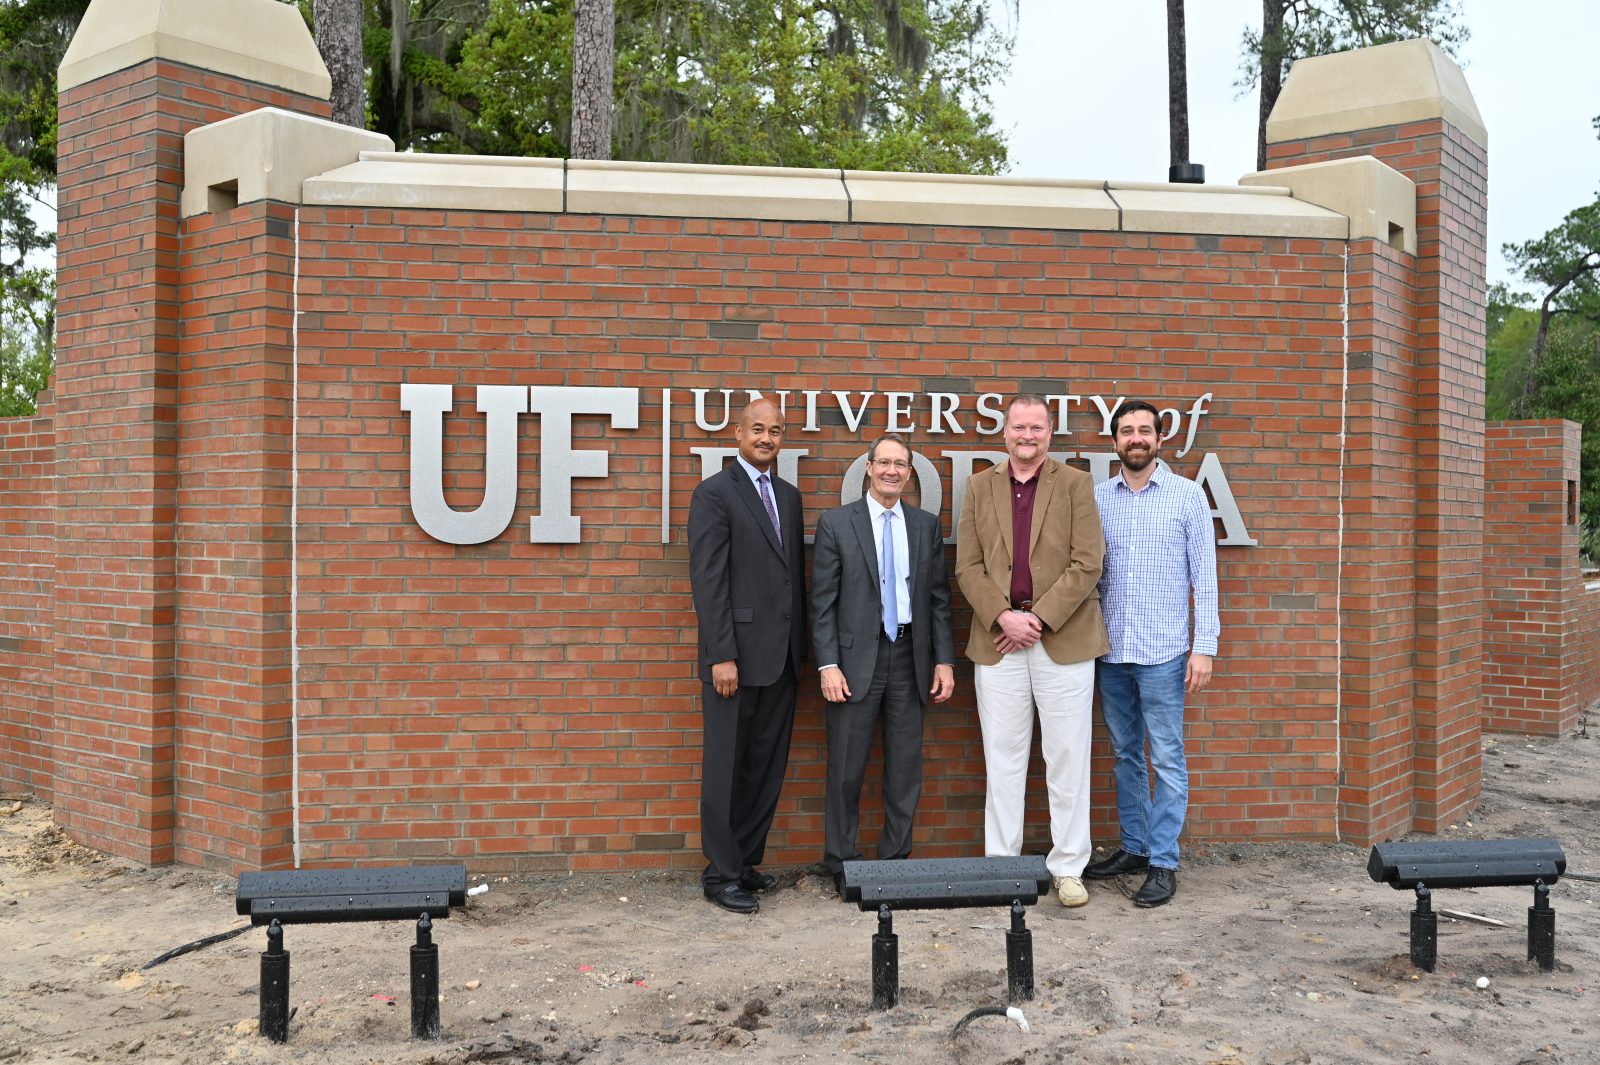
(27,579)
(117,426)
(1540,633)
(1451,175)
(535,705)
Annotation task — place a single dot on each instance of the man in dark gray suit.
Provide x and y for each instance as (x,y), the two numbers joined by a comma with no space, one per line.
(747,568)
(881,628)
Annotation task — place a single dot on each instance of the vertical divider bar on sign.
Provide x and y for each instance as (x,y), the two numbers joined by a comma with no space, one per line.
(666,465)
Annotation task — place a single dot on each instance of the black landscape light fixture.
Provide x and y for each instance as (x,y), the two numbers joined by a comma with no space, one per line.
(946,884)
(1428,865)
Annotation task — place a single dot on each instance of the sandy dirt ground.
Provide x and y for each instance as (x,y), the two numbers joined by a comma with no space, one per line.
(1272,953)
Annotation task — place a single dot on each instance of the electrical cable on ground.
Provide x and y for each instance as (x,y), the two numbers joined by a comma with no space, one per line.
(990,1011)
(196,945)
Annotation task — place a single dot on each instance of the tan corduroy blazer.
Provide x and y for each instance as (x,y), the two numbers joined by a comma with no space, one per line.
(1065,553)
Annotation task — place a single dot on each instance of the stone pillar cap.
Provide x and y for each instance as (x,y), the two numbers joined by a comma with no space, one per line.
(1379,201)
(1369,88)
(266,154)
(263,41)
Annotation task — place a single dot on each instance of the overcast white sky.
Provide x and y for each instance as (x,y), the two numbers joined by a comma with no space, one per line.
(1087,98)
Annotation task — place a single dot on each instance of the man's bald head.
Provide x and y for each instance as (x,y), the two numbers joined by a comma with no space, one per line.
(760,433)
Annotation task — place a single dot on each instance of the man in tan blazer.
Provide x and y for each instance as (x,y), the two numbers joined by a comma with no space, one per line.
(1028,557)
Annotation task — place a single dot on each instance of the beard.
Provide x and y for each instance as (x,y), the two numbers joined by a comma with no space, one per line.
(1136,459)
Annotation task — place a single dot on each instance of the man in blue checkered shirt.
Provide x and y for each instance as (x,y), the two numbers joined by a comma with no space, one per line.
(1160,551)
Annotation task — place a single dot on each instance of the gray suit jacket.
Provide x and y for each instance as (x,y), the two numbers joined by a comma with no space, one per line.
(846,613)
(749,592)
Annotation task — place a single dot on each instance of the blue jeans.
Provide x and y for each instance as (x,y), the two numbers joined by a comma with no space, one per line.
(1146,703)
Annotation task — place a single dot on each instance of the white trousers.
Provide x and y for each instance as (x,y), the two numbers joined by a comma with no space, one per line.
(1064,694)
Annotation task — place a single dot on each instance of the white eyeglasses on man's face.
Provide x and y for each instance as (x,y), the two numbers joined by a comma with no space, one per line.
(892,464)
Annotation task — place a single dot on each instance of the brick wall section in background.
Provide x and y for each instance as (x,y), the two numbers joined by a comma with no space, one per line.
(1451,175)
(27,580)
(121,140)
(1537,654)
(1583,619)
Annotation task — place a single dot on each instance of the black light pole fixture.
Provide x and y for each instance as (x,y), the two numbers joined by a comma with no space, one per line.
(1180,170)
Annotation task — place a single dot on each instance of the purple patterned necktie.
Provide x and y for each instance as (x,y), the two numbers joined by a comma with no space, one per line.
(772,511)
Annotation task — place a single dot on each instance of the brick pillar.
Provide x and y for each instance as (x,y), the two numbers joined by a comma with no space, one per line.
(1378,593)
(138,75)
(1409,106)
(1531,574)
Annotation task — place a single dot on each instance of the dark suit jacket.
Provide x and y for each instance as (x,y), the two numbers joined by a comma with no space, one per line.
(1066,549)
(749,593)
(846,613)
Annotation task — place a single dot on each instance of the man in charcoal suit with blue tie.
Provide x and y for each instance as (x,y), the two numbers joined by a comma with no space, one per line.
(747,569)
(882,634)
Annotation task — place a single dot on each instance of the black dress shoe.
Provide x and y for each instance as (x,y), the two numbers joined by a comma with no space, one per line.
(1119,863)
(733,898)
(1159,887)
(756,880)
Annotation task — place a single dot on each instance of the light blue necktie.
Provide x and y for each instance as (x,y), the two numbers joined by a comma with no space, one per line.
(891,588)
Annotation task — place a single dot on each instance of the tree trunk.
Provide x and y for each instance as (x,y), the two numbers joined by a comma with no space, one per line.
(1177,85)
(593,47)
(399,41)
(1271,70)
(338,33)
(1588,264)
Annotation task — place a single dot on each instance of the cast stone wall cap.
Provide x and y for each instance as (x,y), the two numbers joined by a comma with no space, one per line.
(961,200)
(1190,189)
(1379,201)
(266,154)
(599,186)
(366,174)
(1152,208)
(447,182)
(1369,88)
(255,40)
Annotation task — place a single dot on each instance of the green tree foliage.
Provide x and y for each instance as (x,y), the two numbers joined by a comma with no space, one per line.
(1564,265)
(866,84)
(33,37)
(1509,328)
(520,65)
(27,338)
(871,84)
(1564,383)
(1294,29)
(421,96)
